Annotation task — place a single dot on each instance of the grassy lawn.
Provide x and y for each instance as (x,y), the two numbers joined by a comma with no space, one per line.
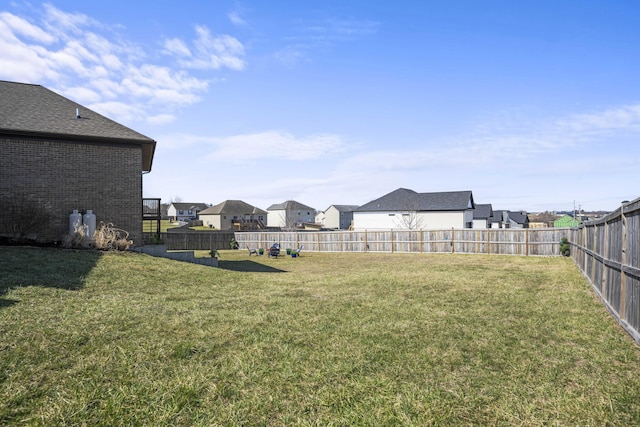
(165,224)
(326,339)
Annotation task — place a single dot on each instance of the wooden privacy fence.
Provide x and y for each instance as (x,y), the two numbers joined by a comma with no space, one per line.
(607,252)
(541,242)
(185,239)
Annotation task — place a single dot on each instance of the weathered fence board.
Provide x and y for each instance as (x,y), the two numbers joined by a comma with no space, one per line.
(606,251)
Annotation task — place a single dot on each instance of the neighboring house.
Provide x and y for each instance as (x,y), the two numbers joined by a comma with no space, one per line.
(338,217)
(517,219)
(499,219)
(509,219)
(406,209)
(181,211)
(289,215)
(233,215)
(61,156)
(482,216)
(566,221)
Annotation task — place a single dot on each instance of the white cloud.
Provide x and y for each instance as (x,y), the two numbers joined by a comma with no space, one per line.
(624,118)
(207,52)
(236,19)
(177,47)
(276,144)
(161,119)
(272,144)
(14,25)
(90,62)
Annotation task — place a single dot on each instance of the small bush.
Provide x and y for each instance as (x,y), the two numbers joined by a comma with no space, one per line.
(565,248)
(25,218)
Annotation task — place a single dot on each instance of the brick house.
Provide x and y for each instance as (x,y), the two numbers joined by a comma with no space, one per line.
(63,156)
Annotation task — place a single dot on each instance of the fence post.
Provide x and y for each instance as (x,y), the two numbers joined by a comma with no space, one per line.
(526,241)
(366,242)
(623,262)
(392,240)
(453,240)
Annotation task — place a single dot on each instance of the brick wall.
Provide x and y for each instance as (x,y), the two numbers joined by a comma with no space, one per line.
(73,175)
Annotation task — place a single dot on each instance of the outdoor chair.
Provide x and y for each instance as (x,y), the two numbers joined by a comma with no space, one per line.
(253,251)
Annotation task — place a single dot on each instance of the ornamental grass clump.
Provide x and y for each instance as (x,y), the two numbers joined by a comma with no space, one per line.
(107,237)
(76,239)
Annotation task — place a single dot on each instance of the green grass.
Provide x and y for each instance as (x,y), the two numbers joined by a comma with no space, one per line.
(165,224)
(326,339)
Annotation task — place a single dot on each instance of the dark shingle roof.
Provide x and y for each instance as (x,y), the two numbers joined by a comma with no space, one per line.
(519,217)
(289,205)
(233,206)
(187,206)
(33,110)
(482,211)
(404,199)
(345,208)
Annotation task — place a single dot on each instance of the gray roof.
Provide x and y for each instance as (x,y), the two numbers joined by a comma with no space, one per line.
(345,208)
(233,206)
(519,217)
(290,205)
(404,199)
(35,111)
(189,206)
(482,211)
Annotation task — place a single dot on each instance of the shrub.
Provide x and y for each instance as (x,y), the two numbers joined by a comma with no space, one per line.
(25,218)
(565,248)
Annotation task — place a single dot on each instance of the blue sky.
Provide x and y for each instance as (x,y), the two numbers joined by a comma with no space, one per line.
(531,105)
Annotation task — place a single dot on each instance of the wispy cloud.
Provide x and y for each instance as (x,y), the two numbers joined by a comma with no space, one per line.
(311,35)
(90,62)
(621,119)
(207,51)
(236,18)
(271,144)
(502,149)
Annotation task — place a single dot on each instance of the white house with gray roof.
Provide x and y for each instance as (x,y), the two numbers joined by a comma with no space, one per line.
(482,216)
(406,209)
(289,214)
(184,211)
(338,217)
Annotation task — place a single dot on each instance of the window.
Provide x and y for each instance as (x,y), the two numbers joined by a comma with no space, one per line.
(180,212)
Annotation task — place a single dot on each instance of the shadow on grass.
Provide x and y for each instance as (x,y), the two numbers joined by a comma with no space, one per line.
(44,267)
(248,266)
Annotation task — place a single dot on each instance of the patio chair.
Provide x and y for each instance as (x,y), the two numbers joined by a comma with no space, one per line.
(253,251)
